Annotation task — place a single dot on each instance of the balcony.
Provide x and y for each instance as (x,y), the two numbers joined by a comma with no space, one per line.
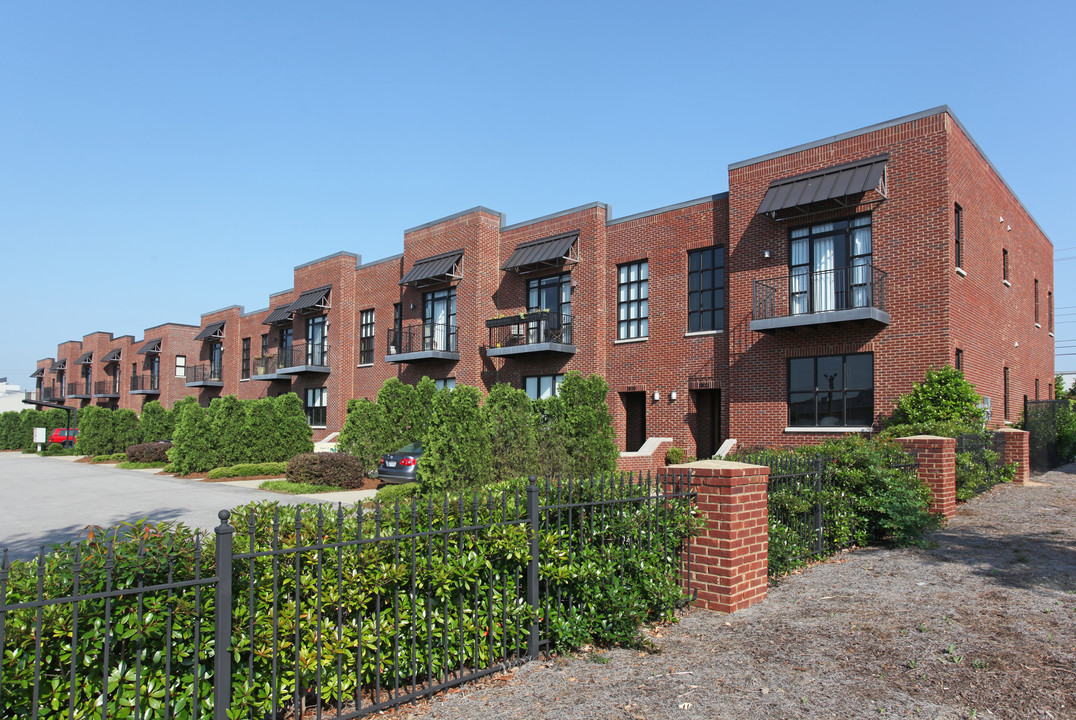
(531,332)
(109,388)
(303,357)
(204,376)
(265,368)
(53,393)
(425,341)
(820,297)
(148,384)
(33,396)
(79,390)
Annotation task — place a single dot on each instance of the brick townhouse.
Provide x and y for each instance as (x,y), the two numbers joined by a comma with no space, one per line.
(799,304)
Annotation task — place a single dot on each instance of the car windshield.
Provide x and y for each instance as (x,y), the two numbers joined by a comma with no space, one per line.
(413,447)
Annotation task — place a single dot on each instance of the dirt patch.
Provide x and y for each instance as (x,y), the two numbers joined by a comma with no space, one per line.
(982,624)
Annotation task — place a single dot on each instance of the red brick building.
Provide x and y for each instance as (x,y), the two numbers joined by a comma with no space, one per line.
(799,304)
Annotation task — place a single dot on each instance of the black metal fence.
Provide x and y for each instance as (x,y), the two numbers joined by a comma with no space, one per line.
(1040,420)
(532,328)
(327,613)
(808,291)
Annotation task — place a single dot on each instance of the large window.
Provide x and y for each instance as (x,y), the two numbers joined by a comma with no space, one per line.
(315,341)
(366,337)
(315,407)
(439,320)
(555,295)
(540,387)
(445,383)
(633,300)
(244,370)
(831,391)
(706,289)
(830,266)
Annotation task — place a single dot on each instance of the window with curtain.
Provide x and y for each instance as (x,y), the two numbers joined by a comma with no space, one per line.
(540,387)
(439,320)
(830,266)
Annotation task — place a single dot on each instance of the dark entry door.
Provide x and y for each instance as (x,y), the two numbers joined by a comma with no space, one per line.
(635,420)
(707,426)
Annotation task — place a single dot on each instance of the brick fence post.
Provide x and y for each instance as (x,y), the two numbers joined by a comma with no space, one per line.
(937,469)
(1015,446)
(731,559)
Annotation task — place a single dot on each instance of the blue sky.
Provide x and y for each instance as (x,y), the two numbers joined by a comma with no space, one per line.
(162,160)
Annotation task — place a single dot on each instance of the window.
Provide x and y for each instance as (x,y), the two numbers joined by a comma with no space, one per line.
(1050,310)
(366,337)
(1036,301)
(540,387)
(315,407)
(958,226)
(554,294)
(830,266)
(633,300)
(1004,264)
(397,325)
(216,353)
(445,383)
(706,289)
(831,391)
(1005,394)
(959,363)
(439,320)
(315,341)
(265,344)
(1036,388)
(181,366)
(244,370)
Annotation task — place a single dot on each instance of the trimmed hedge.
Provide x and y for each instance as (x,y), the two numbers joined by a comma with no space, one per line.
(114,457)
(335,469)
(151,452)
(248,470)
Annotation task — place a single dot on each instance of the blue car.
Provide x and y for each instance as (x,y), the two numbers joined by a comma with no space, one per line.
(399,466)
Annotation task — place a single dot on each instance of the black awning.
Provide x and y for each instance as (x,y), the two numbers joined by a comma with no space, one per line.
(151,346)
(85,358)
(112,356)
(281,313)
(58,365)
(436,269)
(545,253)
(317,298)
(832,184)
(212,330)
(40,372)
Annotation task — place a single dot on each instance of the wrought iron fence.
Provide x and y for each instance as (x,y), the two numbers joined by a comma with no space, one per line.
(424,337)
(145,383)
(338,613)
(531,328)
(204,373)
(109,386)
(807,291)
(303,353)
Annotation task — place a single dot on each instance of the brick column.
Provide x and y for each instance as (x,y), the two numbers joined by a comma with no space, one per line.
(729,560)
(1015,446)
(937,469)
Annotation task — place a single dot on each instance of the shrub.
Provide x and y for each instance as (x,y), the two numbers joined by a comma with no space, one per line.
(114,457)
(9,431)
(977,468)
(943,396)
(248,470)
(28,420)
(675,455)
(1065,426)
(156,422)
(53,449)
(152,452)
(261,426)
(228,424)
(588,425)
(335,469)
(192,450)
(96,435)
(392,493)
(366,434)
(292,433)
(456,452)
(511,421)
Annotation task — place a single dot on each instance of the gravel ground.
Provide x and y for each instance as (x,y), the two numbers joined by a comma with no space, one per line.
(980,625)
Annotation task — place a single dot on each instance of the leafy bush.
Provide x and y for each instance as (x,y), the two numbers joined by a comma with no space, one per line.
(292,435)
(456,452)
(977,468)
(152,452)
(336,469)
(675,455)
(366,434)
(114,457)
(943,396)
(588,425)
(192,448)
(1065,424)
(125,429)
(392,493)
(56,449)
(156,422)
(9,431)
(228,425)
(248,470)
(96,435)
(513,438)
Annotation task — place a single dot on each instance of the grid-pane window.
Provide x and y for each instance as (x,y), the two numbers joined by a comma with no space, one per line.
(540,387)
(706,289)
(830,266)
(265,344)
(633,300)
(181,366)
(315,407)
(831,391)
(958,223)
(366,337)
(397,324)
(445,383)
(959,364)
(245,369)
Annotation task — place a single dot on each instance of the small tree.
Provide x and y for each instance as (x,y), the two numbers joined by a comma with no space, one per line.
(293,433)
(9,430)
(261,431)
(425,392)
(157,423)
(96,435)
(366,434)
(456,453)
(587,424)
(514,443)
(943,396)
(125,430)
(1059,386)
(192,450)
(228,424)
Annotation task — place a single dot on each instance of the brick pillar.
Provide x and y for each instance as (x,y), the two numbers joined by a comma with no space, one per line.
(1015,446)
(937,469)
(729,560)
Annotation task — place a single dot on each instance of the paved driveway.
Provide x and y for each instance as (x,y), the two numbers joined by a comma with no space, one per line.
(48,500)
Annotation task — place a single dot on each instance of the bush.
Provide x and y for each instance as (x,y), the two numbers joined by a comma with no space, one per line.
(228,425)
(511,422)
(457,450)
(977,468)
(1065,424)
(248,470)
(54,449)
(114,457)
(675,455)
(156,422)
(96,435)
(943,396)
(292,435)
(192,448)
(9,431)
(335,469)
(588,425)
(392,493)
(125,430)
(152,452)
(366,435)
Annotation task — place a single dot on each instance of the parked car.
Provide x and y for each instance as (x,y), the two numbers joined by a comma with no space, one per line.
(64,436)
(399,466)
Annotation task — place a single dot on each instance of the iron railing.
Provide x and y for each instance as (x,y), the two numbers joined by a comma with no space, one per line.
(807,292)
(53,392)
(110,386)
(148,382)
(424,337)
(265,365)
(204,373)
(33,395)
(78,389)
(303,353)
(321,613)
(530,328)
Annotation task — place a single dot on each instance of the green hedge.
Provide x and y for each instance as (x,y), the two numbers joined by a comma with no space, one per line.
(248,470)
(975,471)
(114,457)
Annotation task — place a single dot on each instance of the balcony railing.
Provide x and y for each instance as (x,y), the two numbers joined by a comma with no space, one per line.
(303,357)
(148,384)
(107,388)
(78,389)
(820,296)
(425,341)
(204,375)
(33,396)
(53,393)
(538,331)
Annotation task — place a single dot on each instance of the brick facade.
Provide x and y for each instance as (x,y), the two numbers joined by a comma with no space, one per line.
(697,388)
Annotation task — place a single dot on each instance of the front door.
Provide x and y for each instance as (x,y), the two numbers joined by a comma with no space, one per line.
(634,420)
(553,294)
(707,427)
(315,340)
(439,320)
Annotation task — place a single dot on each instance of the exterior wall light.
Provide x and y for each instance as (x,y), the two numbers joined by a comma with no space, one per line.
(672,395)
(657,396)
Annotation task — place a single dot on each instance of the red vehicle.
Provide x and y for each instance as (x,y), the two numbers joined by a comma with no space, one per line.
(64,436)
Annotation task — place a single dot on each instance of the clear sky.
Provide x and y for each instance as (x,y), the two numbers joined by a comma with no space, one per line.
(160,160)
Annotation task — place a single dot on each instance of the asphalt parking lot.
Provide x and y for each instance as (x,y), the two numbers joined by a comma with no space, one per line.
(45,500)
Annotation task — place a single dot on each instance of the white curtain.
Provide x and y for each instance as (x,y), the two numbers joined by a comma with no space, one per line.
(798,292)
(823,282)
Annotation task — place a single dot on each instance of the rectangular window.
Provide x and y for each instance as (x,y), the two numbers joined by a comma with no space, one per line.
(265,344)
(830,266)
(315,407)
(244,370)
(831,391)
(633,300)
(439,320)
(445,383)
(397,324)
(706,289)
(959,364)
(1036,388)
(366,337)
(1004,264)
(316,346)
(1036,301)
(181,366)
(1050,310)
(540,387)
(1005,394)
(958,225)
(552,294)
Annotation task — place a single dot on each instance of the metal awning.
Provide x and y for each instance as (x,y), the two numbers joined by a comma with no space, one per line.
(40,372)
(85,358)
(58,365)
(317,299)
(435,269)
(281,313)
(550,252)
(112,356)
(841,185)
(213,331)
(151,346)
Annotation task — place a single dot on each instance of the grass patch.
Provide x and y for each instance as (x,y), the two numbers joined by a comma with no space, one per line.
(294,488)
(140,465)
(248,470)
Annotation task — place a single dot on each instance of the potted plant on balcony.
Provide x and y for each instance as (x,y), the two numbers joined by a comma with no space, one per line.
(261,362)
